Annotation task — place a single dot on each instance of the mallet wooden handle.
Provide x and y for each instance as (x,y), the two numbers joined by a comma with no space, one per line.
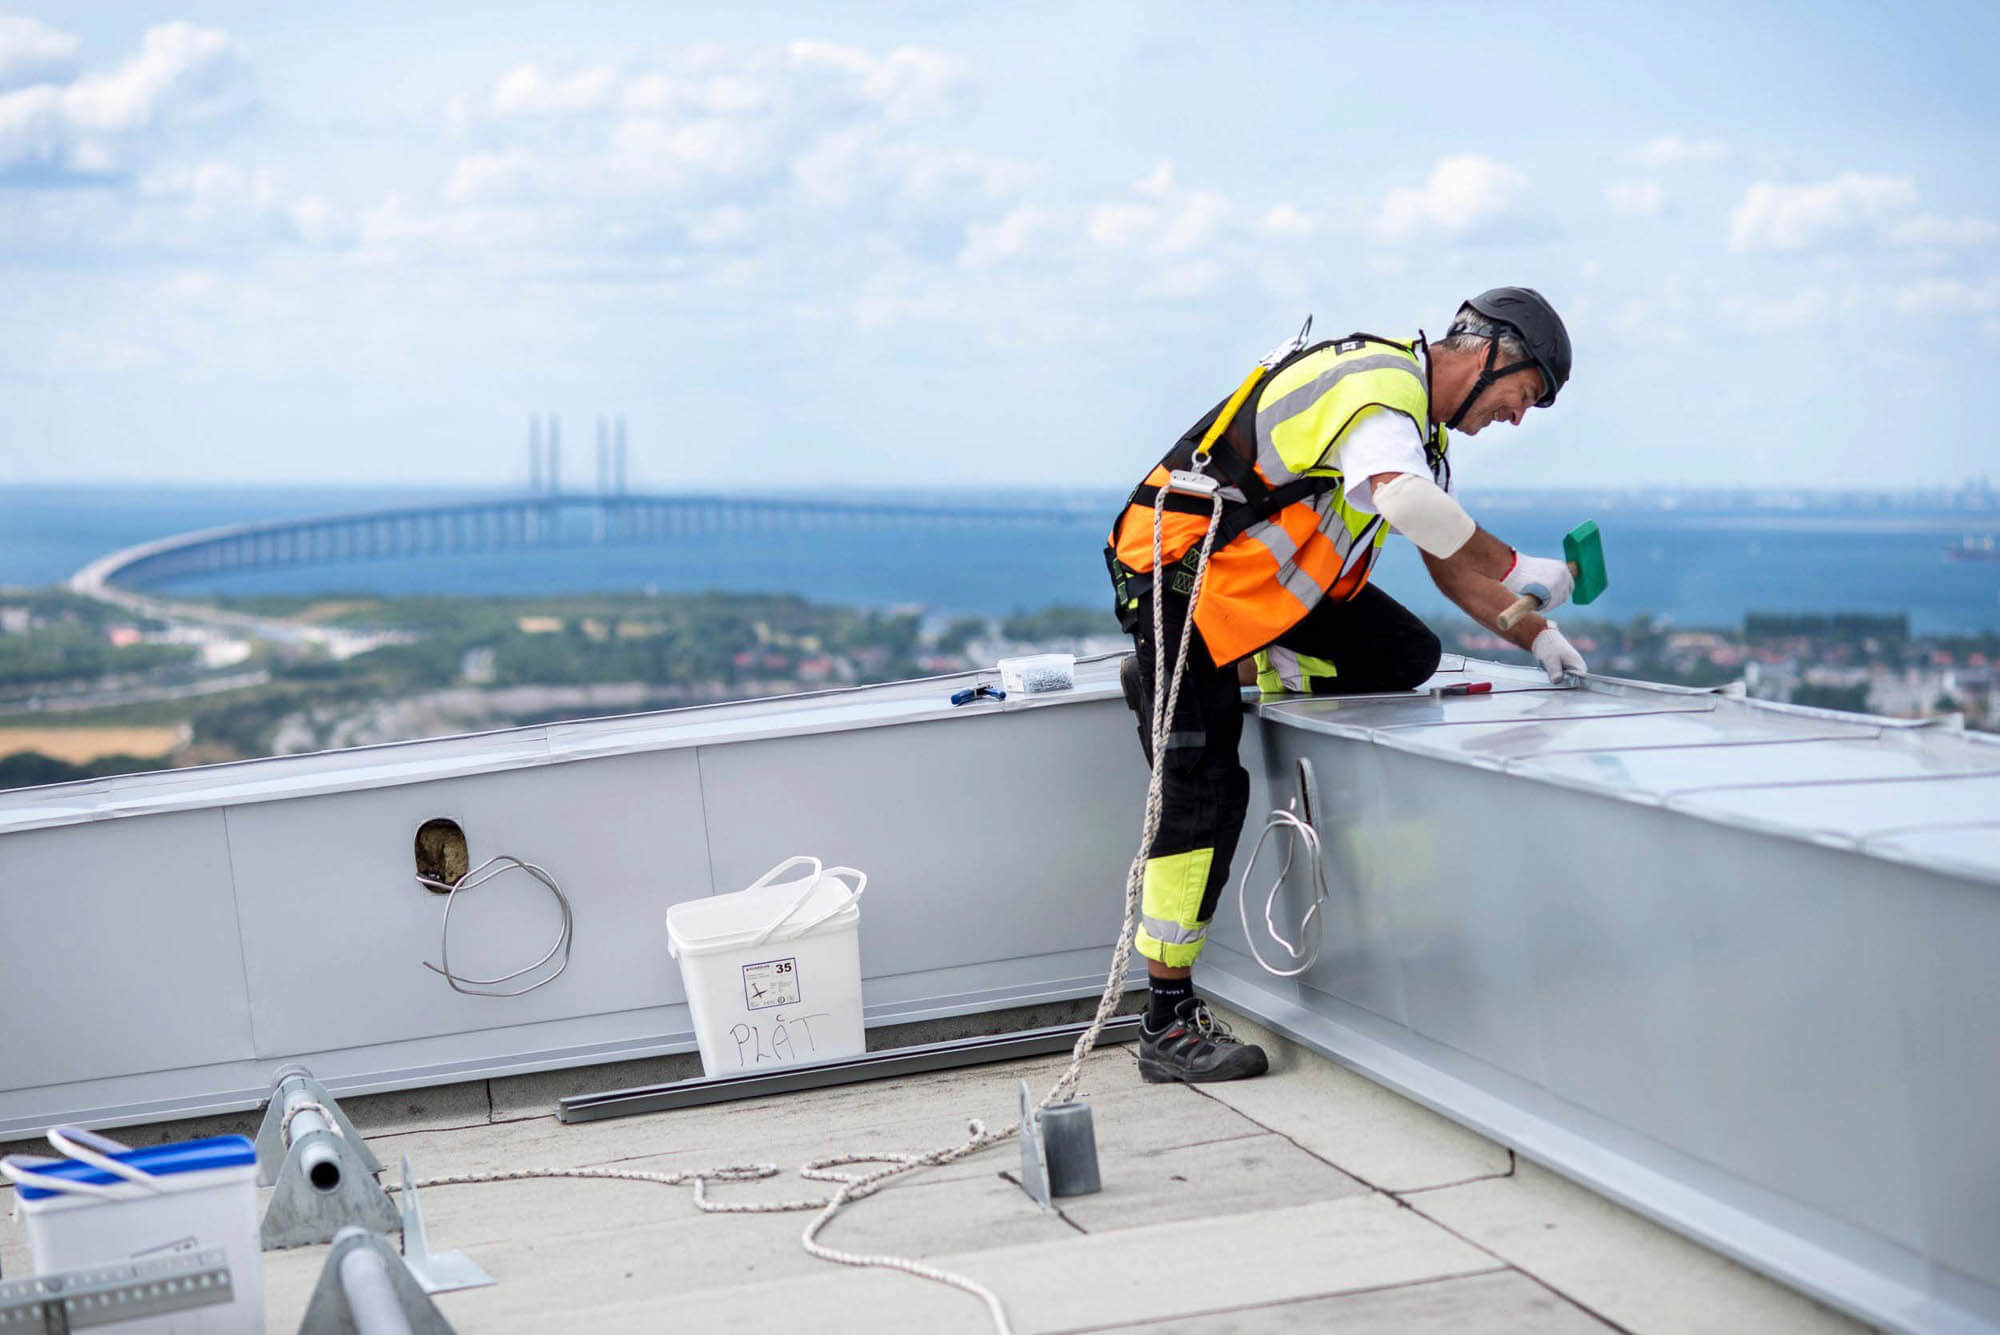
(1523,605)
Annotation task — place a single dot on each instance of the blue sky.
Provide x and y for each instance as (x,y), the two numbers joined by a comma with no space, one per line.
(934,244)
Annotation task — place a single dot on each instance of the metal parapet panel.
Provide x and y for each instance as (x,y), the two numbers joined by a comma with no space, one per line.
(1688,950)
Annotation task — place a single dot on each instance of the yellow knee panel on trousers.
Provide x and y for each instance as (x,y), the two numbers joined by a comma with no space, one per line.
(1170,929)
(1281,670)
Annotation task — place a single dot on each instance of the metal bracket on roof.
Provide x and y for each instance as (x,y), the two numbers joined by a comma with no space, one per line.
(292,1089)
(325,1177)
(106,1294)
(365,1287)
(1058,1150)
(1034,1155)
(438,1272)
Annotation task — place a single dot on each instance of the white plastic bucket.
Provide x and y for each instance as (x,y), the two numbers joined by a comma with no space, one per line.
(773,973)
(109,1204)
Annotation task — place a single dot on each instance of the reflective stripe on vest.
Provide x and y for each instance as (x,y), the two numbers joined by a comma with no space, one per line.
(1277,568)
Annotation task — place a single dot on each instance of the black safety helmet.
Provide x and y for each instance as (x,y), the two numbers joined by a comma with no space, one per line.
(1540,328)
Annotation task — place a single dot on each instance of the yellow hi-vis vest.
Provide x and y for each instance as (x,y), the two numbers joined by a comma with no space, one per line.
(1288,537)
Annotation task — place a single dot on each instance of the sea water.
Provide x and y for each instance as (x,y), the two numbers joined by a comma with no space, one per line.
(1698,568)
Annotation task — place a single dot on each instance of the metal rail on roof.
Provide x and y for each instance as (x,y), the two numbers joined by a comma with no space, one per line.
(885,1065)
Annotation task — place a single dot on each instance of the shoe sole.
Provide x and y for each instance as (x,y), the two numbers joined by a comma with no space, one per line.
(1161,1073)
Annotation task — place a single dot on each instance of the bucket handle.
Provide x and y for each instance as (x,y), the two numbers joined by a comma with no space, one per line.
(14,1168)
(84,1147)
(860,880)
(88,1147)
(790,862)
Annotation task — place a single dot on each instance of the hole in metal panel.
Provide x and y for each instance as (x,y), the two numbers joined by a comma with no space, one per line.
(442,856)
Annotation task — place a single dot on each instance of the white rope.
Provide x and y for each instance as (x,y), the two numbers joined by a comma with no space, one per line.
(478,876)
(854,1187)
(1306,953)
(304,1106)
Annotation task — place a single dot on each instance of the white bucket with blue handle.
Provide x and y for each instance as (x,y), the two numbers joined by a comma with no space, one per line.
(107,1203)
(773,972)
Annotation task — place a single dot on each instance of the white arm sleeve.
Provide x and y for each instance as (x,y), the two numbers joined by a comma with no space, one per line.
(1419,509)
(1378,441)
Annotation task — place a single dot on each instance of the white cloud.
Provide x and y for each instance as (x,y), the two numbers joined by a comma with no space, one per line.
(32,52)
(191,285)
(526,91)
(1463,195)
(718,166)
(1192,278)
(1287,220)
(1157,183)
(1793,217)
(1929,230)
(907,84)
(480,177)
(683,154)
(95,124)
(1948,296)
(1671,150)
(209,189)
(71,352)
(317,223)
(1120,224)
(1640,199)
(811,123)
(987,244)
(1167,220)
(203,204)
(1779,314)
(659,94)
(721,226)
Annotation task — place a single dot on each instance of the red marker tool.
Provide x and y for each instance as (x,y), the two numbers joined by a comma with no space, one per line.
(1465,688)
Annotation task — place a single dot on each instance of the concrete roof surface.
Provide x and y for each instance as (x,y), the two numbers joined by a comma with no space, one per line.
(1308,1200)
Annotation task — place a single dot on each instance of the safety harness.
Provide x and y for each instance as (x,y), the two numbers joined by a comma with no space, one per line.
(1232,467)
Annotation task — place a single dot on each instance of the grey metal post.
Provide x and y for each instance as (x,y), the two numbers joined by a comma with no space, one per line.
(365,1289)
(371,1296)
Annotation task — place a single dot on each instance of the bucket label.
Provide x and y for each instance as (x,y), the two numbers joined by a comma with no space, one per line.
(772,983)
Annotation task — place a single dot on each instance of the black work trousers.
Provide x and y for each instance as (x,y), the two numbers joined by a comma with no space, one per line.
(1374,642)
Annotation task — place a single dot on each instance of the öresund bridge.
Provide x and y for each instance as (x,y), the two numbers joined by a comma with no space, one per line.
(539,519)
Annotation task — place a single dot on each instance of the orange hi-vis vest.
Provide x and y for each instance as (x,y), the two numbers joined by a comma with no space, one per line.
(1287,536)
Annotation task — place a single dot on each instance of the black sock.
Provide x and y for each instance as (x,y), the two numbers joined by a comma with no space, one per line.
(1167,994)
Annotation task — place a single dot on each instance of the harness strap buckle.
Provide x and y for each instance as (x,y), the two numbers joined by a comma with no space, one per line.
(1195,481)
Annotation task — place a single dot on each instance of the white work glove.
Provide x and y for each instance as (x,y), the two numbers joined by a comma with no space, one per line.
(1556,654)
(1548,582)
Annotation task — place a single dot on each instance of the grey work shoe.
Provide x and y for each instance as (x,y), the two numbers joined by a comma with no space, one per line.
(1196,1048)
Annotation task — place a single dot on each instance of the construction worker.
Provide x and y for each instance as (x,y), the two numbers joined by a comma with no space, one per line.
(1335,445)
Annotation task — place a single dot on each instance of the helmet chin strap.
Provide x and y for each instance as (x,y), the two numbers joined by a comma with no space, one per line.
(1487,376)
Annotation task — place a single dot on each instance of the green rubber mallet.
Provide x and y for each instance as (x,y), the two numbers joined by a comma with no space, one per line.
(1583,549)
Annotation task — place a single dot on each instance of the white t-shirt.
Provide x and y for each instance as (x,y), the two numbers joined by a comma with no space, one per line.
(1381,441)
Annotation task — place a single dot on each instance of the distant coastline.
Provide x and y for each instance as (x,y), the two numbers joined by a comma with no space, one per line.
(1695,557)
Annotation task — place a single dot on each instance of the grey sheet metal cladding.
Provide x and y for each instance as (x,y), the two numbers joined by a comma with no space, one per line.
(1727,962)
